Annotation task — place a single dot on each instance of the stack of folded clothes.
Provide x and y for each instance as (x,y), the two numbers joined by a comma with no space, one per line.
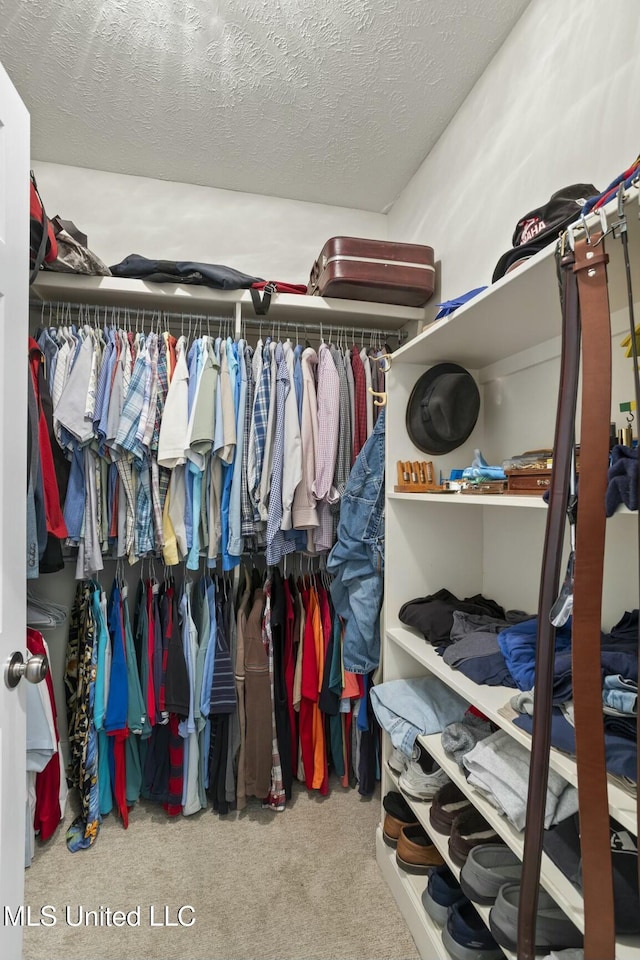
(620,736)
(498,766)
(496,647)
(474,649)
(619,670)
(433,615)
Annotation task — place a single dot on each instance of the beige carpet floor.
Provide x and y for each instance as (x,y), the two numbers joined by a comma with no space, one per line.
(298,885)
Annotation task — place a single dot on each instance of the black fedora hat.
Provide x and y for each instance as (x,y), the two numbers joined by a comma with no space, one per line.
(443,408)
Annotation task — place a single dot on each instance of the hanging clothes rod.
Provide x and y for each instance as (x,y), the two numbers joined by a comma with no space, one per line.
(56,311)
(323,328)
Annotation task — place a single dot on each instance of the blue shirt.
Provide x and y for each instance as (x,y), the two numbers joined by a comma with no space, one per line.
(229,561)
(236,541)
(118,703)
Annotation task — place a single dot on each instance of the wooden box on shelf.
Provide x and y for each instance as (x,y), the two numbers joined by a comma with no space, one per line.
(528,481)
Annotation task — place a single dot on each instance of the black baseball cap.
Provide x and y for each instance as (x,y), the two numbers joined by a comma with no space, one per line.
(541,226)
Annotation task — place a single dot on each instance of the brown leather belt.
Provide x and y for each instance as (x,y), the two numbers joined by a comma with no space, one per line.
(585,300)
(597,882)
(624,239)
(549,580)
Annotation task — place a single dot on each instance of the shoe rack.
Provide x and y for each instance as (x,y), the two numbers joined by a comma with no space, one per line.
(508,337)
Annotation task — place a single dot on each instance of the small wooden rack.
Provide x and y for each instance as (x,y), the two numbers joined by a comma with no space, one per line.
(416,477)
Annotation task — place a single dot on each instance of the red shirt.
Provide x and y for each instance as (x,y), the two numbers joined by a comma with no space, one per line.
(47,815)
(53,511)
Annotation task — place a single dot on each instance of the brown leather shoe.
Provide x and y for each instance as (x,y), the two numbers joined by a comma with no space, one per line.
(415,853)
(469,830)
(392,827)
(448,803)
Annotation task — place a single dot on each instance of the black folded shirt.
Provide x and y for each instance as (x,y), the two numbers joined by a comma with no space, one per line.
(433,615)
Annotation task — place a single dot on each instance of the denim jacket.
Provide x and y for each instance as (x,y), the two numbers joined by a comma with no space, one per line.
(356,560)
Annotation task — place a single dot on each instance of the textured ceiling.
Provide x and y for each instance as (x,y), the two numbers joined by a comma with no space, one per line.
(336,101)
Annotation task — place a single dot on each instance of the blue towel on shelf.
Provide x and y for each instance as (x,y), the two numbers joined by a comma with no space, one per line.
(480,468)
(447,307)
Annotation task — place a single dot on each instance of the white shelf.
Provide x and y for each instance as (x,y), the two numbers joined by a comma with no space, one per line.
(194,298)
(479,499)
(478,333)
(489,500)
(518,312)
(407,891)
(622,805)
(441,843)
(509,336)
(551,878)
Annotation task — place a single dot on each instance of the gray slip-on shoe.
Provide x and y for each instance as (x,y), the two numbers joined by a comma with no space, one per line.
(486,869)
(554,930)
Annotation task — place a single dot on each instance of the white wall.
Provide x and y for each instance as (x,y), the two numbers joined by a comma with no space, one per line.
(557,105)
(263,236)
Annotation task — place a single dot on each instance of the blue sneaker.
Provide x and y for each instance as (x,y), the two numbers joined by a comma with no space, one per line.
(441,892)
(466,936)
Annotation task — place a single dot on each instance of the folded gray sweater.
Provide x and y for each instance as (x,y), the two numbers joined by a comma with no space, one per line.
(499,766)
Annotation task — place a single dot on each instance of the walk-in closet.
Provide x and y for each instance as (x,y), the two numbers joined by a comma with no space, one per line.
(319,487)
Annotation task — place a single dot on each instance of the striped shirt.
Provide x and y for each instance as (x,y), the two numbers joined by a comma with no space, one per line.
(223,687)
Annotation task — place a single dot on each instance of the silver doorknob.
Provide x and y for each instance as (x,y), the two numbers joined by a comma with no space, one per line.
(34,669)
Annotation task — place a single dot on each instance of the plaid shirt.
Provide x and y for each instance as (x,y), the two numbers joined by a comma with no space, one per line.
(161,395)
(359,376)
(259,428)
(132,409)
(150,419)
(144,540)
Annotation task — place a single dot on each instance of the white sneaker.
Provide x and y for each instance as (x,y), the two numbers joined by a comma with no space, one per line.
(420,785)
(399,761)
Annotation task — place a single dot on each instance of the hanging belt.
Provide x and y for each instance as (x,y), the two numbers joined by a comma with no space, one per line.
(549,581)
(622,230)
(597,882)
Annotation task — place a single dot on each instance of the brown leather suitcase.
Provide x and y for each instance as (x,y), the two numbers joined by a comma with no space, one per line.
(379,271)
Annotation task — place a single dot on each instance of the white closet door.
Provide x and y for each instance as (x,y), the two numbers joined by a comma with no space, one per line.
(14,304)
